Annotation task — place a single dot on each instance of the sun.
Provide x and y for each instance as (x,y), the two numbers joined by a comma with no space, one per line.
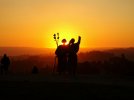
(67,35)
(65,32)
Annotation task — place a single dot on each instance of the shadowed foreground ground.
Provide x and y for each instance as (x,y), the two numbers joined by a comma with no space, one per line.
(64,87)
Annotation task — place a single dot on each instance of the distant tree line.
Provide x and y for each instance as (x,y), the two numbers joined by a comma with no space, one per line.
(94,62)
(114,65)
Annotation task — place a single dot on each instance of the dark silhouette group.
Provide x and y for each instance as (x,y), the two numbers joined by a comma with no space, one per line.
(67,56)
(5,62)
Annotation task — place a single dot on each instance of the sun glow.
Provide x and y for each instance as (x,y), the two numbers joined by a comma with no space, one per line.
(65,43)
(100,23)
(65,32)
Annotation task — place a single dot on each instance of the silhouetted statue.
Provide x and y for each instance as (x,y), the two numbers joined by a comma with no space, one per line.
(5,62)
(61,53)
(35,70)
(72,57)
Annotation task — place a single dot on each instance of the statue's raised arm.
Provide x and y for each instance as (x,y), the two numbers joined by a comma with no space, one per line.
(79,39)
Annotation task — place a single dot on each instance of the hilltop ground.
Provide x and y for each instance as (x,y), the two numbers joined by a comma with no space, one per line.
(65,87)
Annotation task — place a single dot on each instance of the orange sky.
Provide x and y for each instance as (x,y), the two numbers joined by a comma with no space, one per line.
(100,23)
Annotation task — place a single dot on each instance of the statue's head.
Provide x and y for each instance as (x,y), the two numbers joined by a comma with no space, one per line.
(64,41)
(72,41)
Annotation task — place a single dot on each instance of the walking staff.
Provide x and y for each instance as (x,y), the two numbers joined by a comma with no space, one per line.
(56,38)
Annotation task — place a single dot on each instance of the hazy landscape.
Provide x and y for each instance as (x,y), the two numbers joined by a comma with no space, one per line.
(98,70)
(25,58)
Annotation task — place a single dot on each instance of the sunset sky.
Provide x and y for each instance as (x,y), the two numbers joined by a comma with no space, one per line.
(100,23)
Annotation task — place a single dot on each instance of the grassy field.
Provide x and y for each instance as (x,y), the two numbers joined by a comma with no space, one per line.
(65,87)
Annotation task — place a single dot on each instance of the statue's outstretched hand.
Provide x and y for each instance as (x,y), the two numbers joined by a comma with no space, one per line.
(79,37)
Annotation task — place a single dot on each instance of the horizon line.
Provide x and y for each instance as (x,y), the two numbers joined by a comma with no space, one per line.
(55,48)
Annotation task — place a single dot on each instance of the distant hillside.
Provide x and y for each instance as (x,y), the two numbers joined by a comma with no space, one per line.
(129,52)
(97,55)
(16,51)
(88,52)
